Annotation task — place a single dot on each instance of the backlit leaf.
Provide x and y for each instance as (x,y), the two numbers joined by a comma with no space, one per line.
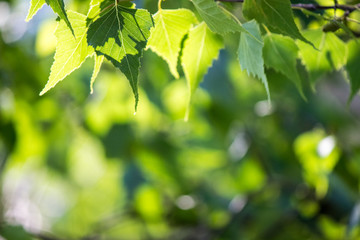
(275,14)
(170,28)
(217,20)
(280,53)
(250,53)
(59,8)
(331,54)
(35,6)
(71,51)
(122,40)
(200,49)
(97,65)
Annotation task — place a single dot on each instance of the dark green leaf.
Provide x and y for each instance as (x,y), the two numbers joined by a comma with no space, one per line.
(122,40)
(59,8)
(352,67)
(275,14)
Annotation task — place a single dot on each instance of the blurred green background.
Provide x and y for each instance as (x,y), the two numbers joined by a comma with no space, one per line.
(80,166)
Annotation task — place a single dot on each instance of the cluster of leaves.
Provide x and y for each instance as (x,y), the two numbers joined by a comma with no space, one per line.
(118,31)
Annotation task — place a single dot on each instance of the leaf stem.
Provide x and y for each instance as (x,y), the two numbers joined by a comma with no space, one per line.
(159,5)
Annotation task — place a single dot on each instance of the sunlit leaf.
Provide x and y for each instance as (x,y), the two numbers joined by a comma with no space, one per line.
(59,8)
(71,51)
(275,14)
(280,53)
(122,40)
(331,54)
(170,28)
(250,52)
(200,49)
(97,65)
(217,20)
(35,6)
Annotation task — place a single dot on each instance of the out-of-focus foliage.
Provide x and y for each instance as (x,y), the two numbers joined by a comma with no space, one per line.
(82,166)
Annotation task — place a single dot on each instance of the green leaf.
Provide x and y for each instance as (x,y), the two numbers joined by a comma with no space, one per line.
(70,52)
(280,53)
(200,49)
(352,67)
(217,20)
(122,40)
(275,14)
(170,28)
(97,65)
(35,6)
(250,53)
(331,55)
(59,8)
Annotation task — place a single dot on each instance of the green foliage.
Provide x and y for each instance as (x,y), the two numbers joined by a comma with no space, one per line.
(331,55)
(280,53)
(170,28)
(250,52)
(217,20)
(119,31)
(275,14)
(352,66)
(80,166)
(122,40)
(35,5)
(200,49)
(71,51)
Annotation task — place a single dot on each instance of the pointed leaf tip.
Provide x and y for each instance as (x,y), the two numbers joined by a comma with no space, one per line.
(70,52)
(200,49)
(123,41)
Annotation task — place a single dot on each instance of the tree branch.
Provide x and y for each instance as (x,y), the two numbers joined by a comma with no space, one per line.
(313,7)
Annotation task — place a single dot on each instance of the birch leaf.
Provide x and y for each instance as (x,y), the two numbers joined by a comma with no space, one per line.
(217,20)
(35,6)
(122,40)
(70,52)
(250,53)
(165,38)
(200,49)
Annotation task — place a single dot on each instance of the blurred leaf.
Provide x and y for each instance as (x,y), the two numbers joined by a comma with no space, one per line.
(170,28)
(200,49)
(70,52)
(250,53)
(275,14)
(318,155)
(217,20)
(14,233)
(46,43)
(280,53)
(123,41)
(352,67)
(148,203)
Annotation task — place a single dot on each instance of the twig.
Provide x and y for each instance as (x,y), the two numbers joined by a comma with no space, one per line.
(313,7)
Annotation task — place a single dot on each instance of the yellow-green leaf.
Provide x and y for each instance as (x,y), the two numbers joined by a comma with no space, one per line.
(165,38)
(35,6)
(70,52)
(200,49)
(97,65)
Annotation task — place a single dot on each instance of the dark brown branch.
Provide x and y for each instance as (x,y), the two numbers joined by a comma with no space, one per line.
(313,7)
